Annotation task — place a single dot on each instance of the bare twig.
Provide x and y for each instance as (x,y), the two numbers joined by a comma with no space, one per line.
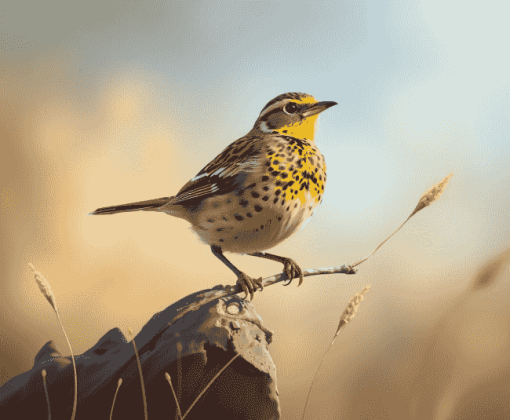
(220,292)
(346,316)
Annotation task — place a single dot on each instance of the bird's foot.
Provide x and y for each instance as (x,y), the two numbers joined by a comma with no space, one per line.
(293,270)
(249,285)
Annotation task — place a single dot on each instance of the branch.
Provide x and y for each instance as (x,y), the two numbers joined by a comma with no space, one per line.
(224,291)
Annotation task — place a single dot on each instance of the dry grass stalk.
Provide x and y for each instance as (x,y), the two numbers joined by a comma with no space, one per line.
(119,383)
(43,374)
(345,318)
(45,288)
(167,376)
(210,383)
(428,197)
(141,376)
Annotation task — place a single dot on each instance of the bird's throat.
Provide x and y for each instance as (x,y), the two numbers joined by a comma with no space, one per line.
(304,129)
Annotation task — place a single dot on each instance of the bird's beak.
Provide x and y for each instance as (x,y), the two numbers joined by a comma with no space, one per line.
(317,108)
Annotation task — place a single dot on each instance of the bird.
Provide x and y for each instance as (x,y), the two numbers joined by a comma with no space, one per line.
(258,191)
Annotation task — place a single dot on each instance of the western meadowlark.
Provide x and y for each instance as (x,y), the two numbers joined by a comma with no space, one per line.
(258,191)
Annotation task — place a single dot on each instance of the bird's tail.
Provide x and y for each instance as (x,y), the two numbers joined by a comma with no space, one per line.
(140,205)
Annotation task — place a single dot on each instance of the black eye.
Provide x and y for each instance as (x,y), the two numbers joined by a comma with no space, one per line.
(290,108)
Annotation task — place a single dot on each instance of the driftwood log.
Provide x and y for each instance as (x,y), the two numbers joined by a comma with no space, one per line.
(191,340)
(192,350)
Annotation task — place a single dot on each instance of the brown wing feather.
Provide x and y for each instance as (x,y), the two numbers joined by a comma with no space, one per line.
(224,173)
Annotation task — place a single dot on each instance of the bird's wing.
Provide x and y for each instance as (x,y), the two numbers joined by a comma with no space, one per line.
(226,173)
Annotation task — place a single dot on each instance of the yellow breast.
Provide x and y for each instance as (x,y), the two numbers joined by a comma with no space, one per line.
(298,170)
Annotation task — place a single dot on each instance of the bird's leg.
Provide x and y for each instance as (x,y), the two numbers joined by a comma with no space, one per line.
(248,284)
(290,266)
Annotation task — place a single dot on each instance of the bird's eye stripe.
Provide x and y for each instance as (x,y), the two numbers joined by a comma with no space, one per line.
(268,114)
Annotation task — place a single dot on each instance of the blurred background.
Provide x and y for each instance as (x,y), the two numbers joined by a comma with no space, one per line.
(105,103)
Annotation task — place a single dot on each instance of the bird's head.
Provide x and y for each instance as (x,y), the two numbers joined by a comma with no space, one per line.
(292,114)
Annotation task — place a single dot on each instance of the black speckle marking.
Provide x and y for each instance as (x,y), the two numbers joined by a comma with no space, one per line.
(258,208)
(284,131)
(211,220)
(279,218)
(229,201)
(265,178)
(275,173)
(283,201)
(255,194)
(277,192)
(275,200)
(265,188)
(276,162)
(283,175)
(278,183)
(295,205)
(249,215)
(243,203)
(288,208)
(281,168)
(236,237)
(261,227)
(224,218)
(238,217)
(222,240)
(265,198)
(251,186)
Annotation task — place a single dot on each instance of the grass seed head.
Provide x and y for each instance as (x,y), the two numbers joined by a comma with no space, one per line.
(351,309)
(432,194)
(44,287)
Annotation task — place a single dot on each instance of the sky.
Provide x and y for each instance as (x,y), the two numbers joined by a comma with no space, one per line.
(106,103)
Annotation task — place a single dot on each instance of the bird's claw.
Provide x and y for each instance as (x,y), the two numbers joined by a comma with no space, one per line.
(292,270)
(249,285)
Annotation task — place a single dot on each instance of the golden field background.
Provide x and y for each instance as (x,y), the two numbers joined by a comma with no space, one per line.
(108,104)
